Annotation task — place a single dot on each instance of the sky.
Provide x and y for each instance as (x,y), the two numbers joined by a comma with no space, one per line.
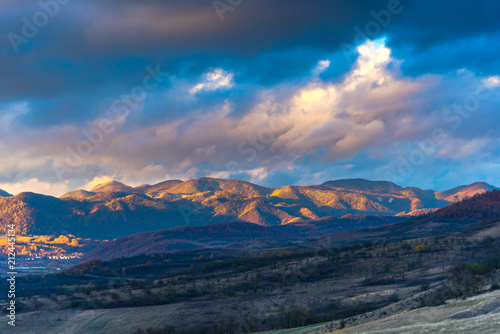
(274,92)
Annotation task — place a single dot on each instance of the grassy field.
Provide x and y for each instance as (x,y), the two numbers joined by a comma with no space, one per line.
(479,314)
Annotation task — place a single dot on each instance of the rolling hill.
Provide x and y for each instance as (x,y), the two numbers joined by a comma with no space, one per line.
(481,206)
(104,215)
(231,235)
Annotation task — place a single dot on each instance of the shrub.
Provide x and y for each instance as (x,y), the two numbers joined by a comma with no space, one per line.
(420,248)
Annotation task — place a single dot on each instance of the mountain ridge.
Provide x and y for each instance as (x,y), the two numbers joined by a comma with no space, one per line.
(114,209)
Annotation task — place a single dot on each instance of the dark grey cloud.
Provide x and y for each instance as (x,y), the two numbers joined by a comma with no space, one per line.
(442,36)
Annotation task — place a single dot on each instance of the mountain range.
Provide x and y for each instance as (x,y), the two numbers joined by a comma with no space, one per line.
(113,209)
(349,229)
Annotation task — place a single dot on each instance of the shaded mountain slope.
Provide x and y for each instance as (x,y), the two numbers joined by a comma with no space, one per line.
(78,194)
(100,216)
(479,206)
(4,193)
(230,235)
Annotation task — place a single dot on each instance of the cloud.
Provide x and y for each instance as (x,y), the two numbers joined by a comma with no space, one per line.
(494,80)
(322,66)
(290,126)
(259,91)
(342,118)
(459,149)
(96,181)
(348,116)
(214,80)
(36,186)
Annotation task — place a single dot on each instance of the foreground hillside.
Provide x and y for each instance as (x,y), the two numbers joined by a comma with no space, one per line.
(114,209)
(475,315)
(287,286)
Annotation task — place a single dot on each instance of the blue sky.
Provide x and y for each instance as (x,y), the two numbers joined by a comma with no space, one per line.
(274,92)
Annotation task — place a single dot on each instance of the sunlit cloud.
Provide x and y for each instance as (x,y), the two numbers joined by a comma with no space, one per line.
(37,186)
(275,103)
(96,181)
(322,66)
(214,80)
(494,80)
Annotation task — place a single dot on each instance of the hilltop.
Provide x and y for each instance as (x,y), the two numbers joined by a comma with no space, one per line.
(110,186)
